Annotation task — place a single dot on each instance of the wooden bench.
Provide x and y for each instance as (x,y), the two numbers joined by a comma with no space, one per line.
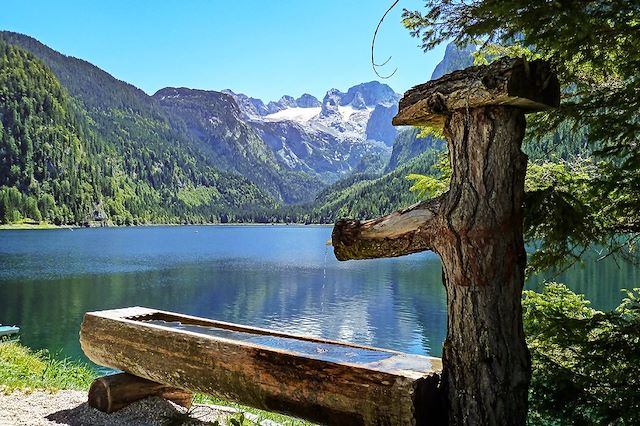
(315,379)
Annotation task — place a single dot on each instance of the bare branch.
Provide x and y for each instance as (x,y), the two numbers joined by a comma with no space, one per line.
(373,42)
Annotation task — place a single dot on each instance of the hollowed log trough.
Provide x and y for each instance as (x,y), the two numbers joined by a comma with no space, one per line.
(320,380)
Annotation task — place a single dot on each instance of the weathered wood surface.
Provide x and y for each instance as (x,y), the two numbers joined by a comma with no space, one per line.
(407,231)
(113,392)
(398,390)
(530,86)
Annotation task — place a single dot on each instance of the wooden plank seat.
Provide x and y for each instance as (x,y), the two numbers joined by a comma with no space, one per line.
(320,380)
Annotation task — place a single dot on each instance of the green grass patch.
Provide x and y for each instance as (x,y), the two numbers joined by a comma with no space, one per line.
(28,224)
(24,369)
(262,415)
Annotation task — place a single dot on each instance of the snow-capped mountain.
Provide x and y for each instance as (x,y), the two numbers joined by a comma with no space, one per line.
(329,138)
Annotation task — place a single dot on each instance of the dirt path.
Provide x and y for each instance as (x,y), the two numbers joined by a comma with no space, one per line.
(70,408)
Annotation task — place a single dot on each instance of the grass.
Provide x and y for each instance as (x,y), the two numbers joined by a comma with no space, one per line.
(24,369)
(261,414)
(29,224)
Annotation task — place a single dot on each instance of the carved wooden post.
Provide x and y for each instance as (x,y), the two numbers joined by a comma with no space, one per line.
(476,228)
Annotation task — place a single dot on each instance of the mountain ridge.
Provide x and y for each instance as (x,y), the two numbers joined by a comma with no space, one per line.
(214,118)
(202,155)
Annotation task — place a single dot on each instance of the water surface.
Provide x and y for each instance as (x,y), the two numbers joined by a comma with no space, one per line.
(279,277)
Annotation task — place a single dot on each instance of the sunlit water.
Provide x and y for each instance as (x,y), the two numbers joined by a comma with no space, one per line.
(279,277)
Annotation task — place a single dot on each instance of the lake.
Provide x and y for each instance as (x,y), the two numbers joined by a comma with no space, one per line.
(279,277)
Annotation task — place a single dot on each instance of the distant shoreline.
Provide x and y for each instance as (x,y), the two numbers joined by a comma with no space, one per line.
(28,226)
(31,226)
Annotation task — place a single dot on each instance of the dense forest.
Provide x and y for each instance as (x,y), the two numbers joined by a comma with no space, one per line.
(79,147)
(61,164)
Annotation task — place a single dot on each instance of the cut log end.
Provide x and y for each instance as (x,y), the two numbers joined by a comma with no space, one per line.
(114,392)
(345,233)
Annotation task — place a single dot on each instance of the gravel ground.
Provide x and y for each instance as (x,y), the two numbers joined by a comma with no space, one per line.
(70,408)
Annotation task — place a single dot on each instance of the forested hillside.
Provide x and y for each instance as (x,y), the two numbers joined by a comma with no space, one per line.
(369,198)
(103,156)
(44,172)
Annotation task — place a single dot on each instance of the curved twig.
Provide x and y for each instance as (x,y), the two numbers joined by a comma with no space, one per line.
(373,42)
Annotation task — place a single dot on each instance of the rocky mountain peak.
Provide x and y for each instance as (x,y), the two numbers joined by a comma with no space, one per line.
(455,58)
(330,103)
(287,102)
(358,102)
(371,93)
(251,107)
(308,101)
(206,98)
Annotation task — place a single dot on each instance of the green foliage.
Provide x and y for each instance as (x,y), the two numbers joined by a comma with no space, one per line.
(366,197)
(558,191)
(434,184)
(586,363)
(593,48)
(40,142)
(109,154)
(21,368)
(240,420)
(409,144)
(491,51)
(430,131)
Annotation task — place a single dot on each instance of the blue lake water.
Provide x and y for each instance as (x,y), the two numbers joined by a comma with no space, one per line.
(279,277)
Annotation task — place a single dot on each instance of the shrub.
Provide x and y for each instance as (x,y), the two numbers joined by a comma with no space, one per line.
(586,363)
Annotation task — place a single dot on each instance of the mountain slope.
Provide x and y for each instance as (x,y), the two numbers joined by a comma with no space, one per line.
(214,118)
(366,197)
(156,172)
(44,170)
(455,58)
(407,144)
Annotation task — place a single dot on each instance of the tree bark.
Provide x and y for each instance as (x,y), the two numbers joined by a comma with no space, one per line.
(531,86)
(485,357)
(476,228)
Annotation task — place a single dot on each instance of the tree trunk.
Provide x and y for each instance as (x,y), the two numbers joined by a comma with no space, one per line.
(485,357)
(476,228)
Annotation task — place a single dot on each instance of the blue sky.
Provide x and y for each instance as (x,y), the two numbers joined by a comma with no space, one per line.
(262,48)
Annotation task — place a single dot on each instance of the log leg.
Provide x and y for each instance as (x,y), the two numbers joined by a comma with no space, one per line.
(111,393)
